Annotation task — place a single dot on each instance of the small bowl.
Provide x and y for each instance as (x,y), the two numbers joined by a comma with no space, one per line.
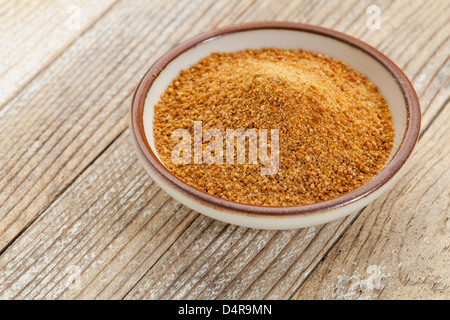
(391,81)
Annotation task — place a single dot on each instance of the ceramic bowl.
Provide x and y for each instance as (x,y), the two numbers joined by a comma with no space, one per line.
(391,81)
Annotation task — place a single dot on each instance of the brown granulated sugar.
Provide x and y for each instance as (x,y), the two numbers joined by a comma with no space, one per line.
(335,127)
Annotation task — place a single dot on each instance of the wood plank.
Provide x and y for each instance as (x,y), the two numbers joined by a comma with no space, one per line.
(130,217)
(33,33)
(113,226)
(398,248)
(227,262)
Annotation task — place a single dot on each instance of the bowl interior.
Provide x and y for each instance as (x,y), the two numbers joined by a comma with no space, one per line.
(285,39)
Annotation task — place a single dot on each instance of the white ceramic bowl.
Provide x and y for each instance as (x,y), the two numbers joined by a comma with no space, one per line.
(391,81)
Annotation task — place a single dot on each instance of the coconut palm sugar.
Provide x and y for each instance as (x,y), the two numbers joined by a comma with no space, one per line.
(335,127)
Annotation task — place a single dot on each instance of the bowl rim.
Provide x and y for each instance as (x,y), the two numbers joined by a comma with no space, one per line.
(152,162)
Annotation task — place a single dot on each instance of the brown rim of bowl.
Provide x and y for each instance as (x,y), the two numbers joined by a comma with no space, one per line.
(402,154)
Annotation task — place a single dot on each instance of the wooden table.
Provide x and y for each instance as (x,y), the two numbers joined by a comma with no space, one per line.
(80,219)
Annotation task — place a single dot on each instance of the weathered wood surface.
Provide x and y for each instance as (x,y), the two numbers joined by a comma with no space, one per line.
(34,33)
(79,217)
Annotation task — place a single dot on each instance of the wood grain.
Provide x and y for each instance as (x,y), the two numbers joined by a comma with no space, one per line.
(34,33)
(80,218)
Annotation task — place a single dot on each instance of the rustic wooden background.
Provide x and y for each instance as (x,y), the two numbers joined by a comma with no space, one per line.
(80,219)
